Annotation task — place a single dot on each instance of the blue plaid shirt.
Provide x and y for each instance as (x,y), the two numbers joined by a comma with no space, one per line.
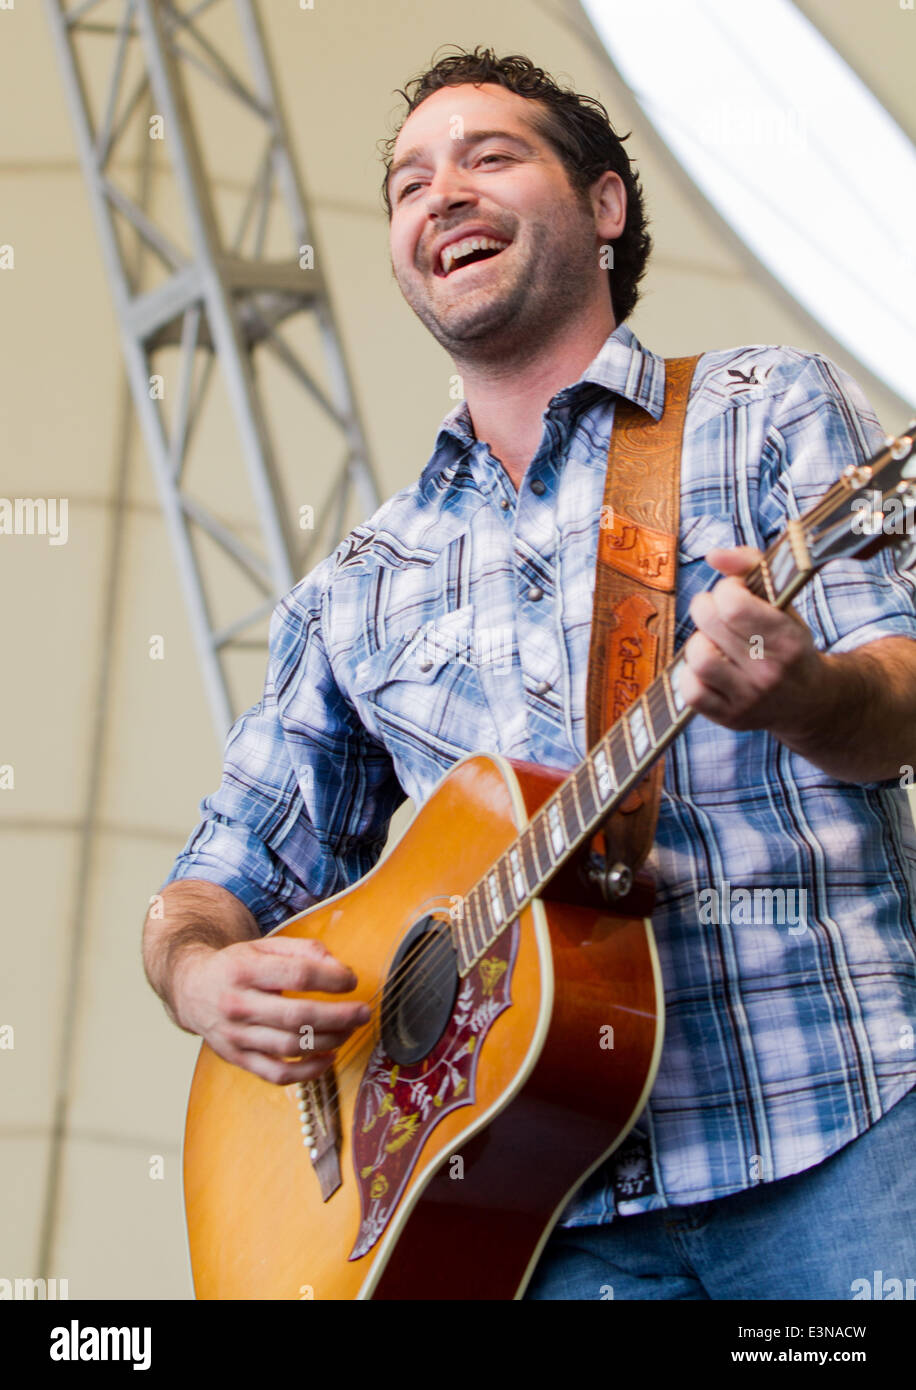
(789,1028)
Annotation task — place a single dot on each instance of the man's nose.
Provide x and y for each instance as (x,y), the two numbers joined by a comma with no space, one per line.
(448,189)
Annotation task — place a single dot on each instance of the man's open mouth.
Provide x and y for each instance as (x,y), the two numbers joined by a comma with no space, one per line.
(461,253)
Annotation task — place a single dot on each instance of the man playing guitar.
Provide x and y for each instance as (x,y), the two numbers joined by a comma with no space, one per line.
(771,1160)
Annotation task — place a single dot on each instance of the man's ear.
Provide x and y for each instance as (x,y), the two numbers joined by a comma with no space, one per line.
(609,201)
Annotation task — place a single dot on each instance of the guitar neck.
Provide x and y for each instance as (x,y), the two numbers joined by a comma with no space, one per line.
(616,764)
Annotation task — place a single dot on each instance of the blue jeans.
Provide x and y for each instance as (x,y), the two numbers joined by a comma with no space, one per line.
(844,1229)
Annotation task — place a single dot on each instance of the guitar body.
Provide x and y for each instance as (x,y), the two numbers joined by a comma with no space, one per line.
(453,1166)
(515,1038)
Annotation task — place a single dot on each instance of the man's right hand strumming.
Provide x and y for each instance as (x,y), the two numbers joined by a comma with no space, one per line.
(219,978)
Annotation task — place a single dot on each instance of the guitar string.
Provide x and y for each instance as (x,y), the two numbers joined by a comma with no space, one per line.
(363,1039)
(753,579)
(409,974)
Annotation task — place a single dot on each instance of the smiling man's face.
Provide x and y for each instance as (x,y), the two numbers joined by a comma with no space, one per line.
(468,166)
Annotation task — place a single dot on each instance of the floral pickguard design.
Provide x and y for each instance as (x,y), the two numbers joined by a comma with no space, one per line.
(397,1107)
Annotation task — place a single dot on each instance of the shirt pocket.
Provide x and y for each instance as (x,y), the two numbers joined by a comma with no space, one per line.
(423,691)
(699,535)
(706,532)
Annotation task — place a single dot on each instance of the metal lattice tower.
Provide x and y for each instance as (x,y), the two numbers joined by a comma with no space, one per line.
(219,298)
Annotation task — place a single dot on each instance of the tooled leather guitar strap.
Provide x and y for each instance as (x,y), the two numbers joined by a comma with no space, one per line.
(632,637)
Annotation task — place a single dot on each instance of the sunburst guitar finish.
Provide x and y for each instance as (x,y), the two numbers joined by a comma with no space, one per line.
(492,1078)
(516,1027)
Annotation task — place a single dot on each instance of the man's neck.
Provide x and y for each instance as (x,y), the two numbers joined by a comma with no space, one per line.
(506,400)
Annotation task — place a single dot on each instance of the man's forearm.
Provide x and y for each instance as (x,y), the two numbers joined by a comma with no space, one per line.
(861,725)
(190,915)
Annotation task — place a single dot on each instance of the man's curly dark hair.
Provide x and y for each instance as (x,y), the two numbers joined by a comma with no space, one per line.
(579,129)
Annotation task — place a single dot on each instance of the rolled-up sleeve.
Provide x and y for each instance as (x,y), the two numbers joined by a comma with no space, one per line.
(307,794)
(824,423)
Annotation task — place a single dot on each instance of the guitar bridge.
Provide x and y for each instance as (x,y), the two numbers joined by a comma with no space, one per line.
(320,1127)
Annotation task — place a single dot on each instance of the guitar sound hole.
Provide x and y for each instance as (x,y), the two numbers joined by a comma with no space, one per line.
(420,992)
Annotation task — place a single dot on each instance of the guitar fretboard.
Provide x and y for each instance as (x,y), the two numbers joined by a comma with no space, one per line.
(604,779)
(590,794)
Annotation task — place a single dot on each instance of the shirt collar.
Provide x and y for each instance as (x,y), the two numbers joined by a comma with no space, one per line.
(622,366)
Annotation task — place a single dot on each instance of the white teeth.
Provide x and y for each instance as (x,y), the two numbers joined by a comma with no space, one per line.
(456,249)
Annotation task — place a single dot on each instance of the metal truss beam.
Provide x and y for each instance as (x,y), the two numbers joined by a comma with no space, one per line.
(217,300)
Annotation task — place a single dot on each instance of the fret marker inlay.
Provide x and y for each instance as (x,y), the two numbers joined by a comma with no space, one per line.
(605,780)
(518,878)
(679,701)
(496,903)
(639,731)
(557,838)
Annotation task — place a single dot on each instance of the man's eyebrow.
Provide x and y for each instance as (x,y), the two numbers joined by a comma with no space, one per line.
(473,137)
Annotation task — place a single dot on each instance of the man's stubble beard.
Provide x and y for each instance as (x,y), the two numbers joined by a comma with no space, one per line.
(508,325)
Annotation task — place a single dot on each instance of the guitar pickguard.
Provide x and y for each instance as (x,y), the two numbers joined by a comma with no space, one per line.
(397,1107)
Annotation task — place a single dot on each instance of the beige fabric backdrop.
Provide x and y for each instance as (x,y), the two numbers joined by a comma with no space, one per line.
(90,831)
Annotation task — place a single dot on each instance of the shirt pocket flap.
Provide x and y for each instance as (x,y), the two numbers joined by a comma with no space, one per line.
(707,532)
(417,656)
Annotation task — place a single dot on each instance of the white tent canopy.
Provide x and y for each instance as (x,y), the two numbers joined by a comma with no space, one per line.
(112,750)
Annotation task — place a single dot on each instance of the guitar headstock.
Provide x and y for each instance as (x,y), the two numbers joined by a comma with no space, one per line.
(871,506)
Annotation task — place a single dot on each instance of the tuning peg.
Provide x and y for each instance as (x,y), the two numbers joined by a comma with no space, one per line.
(905,552)
(902,444)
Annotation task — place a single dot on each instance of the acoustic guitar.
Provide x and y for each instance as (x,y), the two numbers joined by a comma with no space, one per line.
(516,1011)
